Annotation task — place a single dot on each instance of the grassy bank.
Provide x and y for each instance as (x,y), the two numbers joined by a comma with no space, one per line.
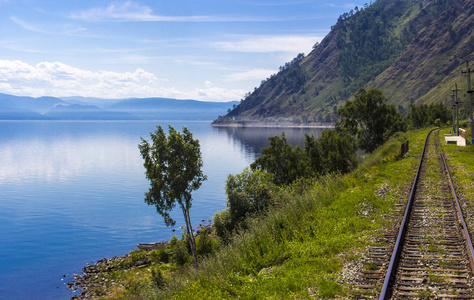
(300,248)
(460,161)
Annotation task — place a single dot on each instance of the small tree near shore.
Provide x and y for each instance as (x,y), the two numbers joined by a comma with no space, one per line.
(173,166)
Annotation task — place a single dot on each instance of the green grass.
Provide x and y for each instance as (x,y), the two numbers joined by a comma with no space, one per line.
(297,250)
(461,164)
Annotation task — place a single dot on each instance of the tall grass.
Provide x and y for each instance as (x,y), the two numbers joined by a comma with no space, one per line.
(297,249)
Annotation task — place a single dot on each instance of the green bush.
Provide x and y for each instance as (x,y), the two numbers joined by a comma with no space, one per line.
(248,193)
(157,278)
(204,243)
(160,255)
(138,255)
(223,224)
(284,162)
(179,251)
(338,153)
(370,119)
(135,287)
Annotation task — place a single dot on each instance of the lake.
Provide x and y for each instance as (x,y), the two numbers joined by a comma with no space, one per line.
(71,192)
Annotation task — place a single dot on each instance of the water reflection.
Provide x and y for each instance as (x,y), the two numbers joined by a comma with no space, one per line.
(252,140)
(72,192)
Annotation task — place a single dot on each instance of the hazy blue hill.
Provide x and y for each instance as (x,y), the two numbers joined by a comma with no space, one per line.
(86,108)
(86,112)
(28,104)
(167,103)
(101,102)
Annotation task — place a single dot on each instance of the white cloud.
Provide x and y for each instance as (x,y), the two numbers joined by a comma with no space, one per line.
(255,74)
(289,3)
(343,5)
(56,29)
(132,12)
(128,11)
(273,43)
(27,25)
(61,80)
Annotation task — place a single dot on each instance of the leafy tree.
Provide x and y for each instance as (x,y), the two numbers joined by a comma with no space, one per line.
(313,151)
(370,119)
(248,193)
(331,152)
(283,161)
(173,166)
(338,153)
(424,115)
(223,224)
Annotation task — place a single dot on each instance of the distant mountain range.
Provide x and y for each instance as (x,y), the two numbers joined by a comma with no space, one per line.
(79,108)
(413,50)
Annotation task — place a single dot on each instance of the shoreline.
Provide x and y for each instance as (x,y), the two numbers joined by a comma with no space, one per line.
(256,124)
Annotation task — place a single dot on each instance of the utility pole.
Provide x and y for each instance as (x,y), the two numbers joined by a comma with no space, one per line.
(455,91)
(469,92)
(453,108)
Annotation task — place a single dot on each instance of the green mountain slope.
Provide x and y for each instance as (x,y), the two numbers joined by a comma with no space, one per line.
(406,48)
(431,64)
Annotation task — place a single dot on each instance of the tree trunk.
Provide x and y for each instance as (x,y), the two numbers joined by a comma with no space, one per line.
(189,228)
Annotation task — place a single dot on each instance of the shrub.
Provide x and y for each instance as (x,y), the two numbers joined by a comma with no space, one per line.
(157,277)
(138,255)
(248,193)
(160,255)
(204,243)
(223,224)
(179,251)
(284,162)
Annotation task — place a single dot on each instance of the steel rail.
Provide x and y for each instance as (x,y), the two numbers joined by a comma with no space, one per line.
(385,293)
(470,249)
(392,267)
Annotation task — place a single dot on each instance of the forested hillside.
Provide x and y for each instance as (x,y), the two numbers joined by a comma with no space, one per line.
(412,50)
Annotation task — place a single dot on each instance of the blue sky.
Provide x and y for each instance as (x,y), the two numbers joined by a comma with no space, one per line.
(204,50)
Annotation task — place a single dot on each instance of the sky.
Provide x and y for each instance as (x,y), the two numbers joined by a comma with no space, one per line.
(209,50)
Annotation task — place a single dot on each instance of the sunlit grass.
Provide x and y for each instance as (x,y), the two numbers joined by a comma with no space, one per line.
(298,248)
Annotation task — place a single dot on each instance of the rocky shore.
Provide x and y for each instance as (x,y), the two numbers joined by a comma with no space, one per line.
(96,277)
(92,284)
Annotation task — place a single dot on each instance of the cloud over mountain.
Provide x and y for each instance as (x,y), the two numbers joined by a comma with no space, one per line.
(61,80)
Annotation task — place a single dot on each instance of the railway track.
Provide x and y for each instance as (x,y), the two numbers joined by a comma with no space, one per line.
(431,256)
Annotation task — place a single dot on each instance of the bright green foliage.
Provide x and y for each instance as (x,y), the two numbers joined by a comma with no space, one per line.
(157,278)
(178,250)
(370,119)
(223,224)
(283,161)
(205,244)
(337,152)
(138,255)
(160,255)
(297,249)
(368,43)
(248,193)
(173,165)
(429,115)
(312,148)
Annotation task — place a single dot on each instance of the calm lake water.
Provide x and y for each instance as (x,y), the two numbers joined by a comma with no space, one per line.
(71,192)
